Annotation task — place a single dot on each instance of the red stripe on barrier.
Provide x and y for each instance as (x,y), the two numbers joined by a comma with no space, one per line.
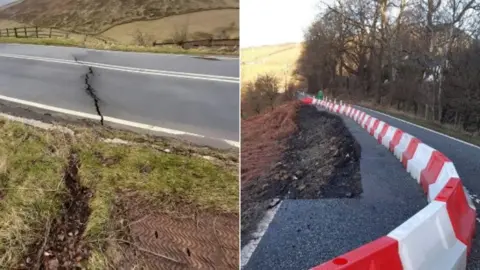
(377,255)
(383,132)
(374,127)
(361,117)
(307,100)
(397,136)
(368,122)
(430,174)
(364,118)
(410,151)
(461,215)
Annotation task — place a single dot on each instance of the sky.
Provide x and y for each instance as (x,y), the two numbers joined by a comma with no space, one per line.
(3,2)
(268,22)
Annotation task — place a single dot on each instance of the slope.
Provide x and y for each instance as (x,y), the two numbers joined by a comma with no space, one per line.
(98,16)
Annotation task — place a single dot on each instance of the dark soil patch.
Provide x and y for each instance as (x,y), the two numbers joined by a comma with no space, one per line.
(322,161)
(153,239)
(62,247)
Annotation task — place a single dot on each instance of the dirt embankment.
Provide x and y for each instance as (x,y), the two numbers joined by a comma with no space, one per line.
(315,158)
(264,139)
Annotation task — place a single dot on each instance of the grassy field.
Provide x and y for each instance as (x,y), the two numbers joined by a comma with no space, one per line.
(278,60)
(197,25)
(129,23)
(94,16)
(42,170)
(94,44)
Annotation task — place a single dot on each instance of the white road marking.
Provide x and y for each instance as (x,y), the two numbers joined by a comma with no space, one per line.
(124,52)
(424,128)
(262,227)
(184,75)
(111,119)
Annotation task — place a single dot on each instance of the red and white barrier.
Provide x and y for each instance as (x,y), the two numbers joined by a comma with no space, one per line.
(438,236)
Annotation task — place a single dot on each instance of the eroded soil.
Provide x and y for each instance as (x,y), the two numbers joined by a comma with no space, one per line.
(62,246)
(321,161)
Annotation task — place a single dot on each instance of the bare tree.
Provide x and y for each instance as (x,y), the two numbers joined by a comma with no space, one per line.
(407,54)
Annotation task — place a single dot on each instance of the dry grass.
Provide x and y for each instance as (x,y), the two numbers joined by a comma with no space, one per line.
(9,24)
(199,25)
(275,60)
(94,16)
(120,23)
(32,163)
(95,44)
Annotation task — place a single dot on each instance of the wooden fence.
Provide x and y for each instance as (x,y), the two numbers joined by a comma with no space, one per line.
(32,32)
(229,43)
(38,32)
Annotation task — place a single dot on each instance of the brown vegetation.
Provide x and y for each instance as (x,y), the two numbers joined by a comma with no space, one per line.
(263,139)
(423,59)
(97,16)
(264,94)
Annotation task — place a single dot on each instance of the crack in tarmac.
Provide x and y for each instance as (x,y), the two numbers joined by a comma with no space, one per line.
(91,91)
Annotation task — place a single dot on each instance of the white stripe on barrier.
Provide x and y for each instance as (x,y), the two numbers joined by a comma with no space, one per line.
(388,136)
(365,119)
(448,171)
(356,115)
(427,240)
(360,113)
(380,126)
(402,145)
(419,161)
(370,125)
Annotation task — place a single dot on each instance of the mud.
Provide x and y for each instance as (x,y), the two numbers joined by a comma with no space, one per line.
(62,246)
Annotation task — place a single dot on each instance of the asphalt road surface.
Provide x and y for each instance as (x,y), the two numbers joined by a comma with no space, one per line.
(306,233)
(465,157)
(175,94)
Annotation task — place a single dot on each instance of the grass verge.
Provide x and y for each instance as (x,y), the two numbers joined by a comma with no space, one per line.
(32,188)
(117,47)
(447,130)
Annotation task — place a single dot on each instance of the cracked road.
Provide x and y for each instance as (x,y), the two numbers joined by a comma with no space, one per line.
(160,93)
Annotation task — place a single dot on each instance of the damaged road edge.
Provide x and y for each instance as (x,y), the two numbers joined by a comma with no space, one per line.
(91,92)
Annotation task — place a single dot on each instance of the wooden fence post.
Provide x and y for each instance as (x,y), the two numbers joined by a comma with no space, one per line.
(36,31)
(50,35)
(25,30)
(8,34)
(15,30)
